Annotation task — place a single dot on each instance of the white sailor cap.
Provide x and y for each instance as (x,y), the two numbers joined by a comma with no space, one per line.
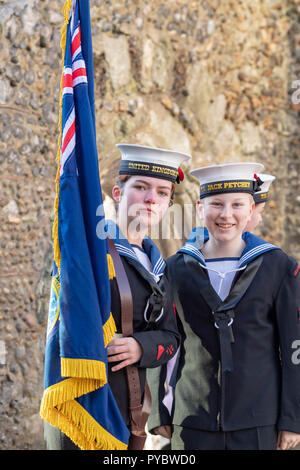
(150,161)
(228,178)
(262,195)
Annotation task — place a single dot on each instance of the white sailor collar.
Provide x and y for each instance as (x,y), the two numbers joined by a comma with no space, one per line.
(125,249)
(255,246)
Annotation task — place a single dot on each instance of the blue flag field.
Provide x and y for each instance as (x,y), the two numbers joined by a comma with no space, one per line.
(77,398)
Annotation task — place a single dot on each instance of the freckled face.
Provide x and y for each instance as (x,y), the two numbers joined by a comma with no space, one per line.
(226,215)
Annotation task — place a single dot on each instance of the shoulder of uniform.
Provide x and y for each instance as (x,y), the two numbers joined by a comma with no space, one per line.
(285,263)
(173,259)
(293,266)
(172,264)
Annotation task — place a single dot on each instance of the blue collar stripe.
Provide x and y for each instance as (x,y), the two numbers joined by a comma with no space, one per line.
(191,250)
(159,266)
(255,246)
(125,249)
(256,251)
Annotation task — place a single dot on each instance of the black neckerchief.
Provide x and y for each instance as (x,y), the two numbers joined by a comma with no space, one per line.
(223,311)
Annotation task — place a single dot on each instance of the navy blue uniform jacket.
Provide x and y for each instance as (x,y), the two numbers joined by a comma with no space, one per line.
(159,342)
(264,386)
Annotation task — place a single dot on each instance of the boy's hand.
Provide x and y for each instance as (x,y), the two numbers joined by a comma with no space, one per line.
(287,440)
(164,431)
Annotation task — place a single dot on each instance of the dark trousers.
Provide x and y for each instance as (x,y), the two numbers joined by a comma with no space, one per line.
(261,438)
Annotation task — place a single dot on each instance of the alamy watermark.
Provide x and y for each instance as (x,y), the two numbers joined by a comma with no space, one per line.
(296,94)
(176,224)
(296,353)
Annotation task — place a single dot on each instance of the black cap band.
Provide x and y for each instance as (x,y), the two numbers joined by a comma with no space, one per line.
(229,186)
(260,197)
(129,167)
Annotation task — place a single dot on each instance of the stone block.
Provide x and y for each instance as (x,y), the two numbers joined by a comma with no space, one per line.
(117,55)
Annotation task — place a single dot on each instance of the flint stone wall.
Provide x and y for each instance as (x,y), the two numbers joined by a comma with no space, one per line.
(211,78)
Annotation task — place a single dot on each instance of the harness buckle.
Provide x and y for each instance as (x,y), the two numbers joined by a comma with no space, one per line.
(226,316)
(228,324)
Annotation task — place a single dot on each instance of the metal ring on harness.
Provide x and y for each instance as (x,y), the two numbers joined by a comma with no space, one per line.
(156,319)
(229,324)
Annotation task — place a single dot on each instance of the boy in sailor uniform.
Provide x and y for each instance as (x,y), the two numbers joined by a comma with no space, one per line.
(260,199)
(143,193)
(236,382)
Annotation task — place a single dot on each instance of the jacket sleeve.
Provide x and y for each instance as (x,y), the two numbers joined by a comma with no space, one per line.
(160,344)
(288,319)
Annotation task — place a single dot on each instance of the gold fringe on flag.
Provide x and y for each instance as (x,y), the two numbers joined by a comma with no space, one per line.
(111,268)
(76,423)
(60,409)
(83,369)
(59,406)
(109,330)
(66,12)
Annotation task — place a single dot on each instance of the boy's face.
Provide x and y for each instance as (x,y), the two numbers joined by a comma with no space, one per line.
(226,215)
(256,217)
